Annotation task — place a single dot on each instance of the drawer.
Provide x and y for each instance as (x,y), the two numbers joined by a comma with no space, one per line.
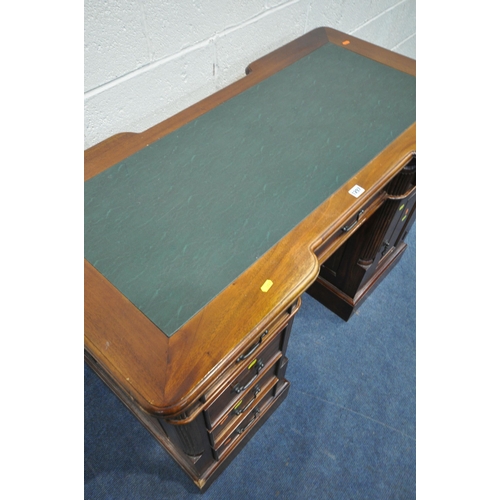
(335,240)
(242,406)
(241,426)
(280,325)
(233,390)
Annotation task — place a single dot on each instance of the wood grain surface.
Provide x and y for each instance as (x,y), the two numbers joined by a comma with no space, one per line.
(167,376)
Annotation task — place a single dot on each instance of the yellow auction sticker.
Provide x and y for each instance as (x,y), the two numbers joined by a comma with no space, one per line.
(266,286)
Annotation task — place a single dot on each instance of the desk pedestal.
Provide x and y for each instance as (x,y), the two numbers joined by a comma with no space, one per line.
(348,277)
(208,436)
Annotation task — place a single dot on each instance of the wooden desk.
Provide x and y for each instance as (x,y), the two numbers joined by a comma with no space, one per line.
(202,233)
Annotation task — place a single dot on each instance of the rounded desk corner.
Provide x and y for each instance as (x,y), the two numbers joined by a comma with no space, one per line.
(291,51)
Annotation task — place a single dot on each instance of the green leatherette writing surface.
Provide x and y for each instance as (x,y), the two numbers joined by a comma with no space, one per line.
(177,222)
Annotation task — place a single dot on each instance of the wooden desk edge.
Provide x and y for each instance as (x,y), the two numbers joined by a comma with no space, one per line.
(120,146)
(166,376)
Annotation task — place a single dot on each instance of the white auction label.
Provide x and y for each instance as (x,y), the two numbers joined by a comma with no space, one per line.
(356,191)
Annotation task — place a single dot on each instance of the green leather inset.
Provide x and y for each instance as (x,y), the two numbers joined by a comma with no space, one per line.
(177,222)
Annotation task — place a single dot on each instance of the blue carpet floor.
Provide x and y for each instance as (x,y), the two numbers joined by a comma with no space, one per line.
(346,430)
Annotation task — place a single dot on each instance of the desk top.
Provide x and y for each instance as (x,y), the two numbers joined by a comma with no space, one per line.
(177,222)
(233,207)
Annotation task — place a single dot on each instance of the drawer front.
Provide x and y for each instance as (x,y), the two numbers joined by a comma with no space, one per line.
(240,427)
(335,240)
(281,326)
(242,381)
(243,405)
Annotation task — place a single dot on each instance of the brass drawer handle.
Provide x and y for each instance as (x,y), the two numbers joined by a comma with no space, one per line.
(239,411)
(346,229)
(241,430)
(252,349)
(237,388)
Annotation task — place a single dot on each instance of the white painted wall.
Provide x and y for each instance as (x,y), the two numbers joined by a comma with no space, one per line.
(146,60)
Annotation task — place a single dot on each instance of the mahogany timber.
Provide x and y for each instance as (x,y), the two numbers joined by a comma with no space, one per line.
(215,468)
(349,276)
(120,146)
(168,376)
